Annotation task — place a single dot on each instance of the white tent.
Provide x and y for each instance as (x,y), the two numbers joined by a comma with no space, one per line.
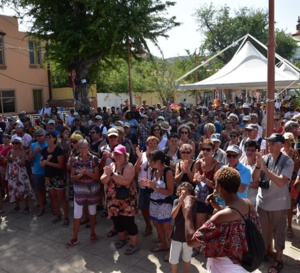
(247,69)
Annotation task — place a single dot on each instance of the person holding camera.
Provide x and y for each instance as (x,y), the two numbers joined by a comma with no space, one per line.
(274,171)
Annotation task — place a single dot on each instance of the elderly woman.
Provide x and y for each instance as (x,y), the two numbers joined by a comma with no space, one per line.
(142,168)
(122,198)
(162,184)
(222,238)
(85,176)
(18,179)
(209,130)
(184,168)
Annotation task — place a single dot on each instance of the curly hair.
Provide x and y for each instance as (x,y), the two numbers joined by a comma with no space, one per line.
(229,179)
(187,186)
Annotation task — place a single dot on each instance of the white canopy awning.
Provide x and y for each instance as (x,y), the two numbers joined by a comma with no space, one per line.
(247,69)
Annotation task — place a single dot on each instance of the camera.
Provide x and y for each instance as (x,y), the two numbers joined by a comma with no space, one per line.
(264,184)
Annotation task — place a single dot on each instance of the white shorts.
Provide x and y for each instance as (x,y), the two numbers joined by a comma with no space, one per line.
(175,251)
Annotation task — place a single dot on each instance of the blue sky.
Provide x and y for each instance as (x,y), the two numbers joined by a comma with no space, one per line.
(188,37)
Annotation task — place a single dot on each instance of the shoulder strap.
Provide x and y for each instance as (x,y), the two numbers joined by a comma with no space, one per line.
(165,175)
(166,150)
(236,210)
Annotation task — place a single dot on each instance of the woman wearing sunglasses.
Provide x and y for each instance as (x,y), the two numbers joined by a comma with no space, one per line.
(185,167)
(234,139)
(205,169)
(156,131)
(184,132)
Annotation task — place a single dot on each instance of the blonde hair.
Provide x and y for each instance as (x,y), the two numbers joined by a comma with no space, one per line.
(210,127)
(150,138)
(76,136)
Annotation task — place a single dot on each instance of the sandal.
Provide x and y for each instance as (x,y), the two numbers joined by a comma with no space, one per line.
(290,233)
(72,243)
(56,220)
(113,232)
(94,237)
(120,243)
(277,267)
(66,222)
(131,249)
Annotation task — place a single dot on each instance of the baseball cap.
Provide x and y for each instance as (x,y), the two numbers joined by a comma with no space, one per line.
(290,125)
(247,118)
(95,129)
(98,117)
(216,137)
(251,126)
(112,132)
(245,105)
(234,149)
(143,116)
(276,138)
(161,118)
(126,124)
(40,131)
(120,149)
(51,121)
(10,118)
(232,115)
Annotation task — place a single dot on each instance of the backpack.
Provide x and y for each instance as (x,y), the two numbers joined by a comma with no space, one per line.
(253,258)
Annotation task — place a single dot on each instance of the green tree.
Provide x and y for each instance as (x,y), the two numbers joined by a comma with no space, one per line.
(222,27)
(80,33)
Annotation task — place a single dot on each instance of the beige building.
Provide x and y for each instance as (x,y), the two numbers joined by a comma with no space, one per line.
(23,75)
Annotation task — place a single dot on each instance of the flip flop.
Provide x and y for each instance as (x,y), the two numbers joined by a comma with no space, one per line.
(113,232)
(277,267)
(158,249)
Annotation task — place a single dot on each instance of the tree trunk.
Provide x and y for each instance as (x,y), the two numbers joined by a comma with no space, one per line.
(82,98)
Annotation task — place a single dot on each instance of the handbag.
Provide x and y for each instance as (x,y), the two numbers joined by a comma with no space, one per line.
(122,193)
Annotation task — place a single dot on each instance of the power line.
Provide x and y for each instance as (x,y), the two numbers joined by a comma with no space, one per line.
(9,21)
(22,81)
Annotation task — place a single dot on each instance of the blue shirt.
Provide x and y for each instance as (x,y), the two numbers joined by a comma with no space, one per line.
(245,174)
(37,169)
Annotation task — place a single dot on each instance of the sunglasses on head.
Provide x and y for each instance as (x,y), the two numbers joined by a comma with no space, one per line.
(232,156)
(206,149)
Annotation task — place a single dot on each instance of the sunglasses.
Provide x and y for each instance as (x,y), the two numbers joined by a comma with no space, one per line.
(233,136)
(250,150)
(228,122)
(184,132)
(232,156)
(206,149)
(15,143)
(74,141)
(276,119)
(186,152)
(112,137)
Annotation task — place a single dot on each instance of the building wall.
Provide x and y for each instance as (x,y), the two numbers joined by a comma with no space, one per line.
(112,99)
(17,74)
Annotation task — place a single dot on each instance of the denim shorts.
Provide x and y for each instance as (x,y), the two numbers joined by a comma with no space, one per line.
(38,182)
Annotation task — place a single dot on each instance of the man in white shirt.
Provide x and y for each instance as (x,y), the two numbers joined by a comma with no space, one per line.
(45,110)
(252,132)
(99,122)
(71,118)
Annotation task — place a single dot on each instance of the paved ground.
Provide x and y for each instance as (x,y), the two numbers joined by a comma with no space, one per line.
(33,244)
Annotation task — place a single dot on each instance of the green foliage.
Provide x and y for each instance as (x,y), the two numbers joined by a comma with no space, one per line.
(286,45)
(222,26)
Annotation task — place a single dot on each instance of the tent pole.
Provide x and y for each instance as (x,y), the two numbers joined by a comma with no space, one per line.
(271,44)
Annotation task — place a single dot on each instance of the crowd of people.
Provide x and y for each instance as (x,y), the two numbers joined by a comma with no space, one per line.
(182,168)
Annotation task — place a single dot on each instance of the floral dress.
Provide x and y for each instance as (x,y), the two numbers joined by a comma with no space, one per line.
(116,207)
(18,181)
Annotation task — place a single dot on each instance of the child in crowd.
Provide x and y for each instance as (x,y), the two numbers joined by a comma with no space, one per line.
(178,234)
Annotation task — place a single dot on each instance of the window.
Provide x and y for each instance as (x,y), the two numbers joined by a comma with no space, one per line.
(37,99)
(7,101)
(34,53)
(2,60)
